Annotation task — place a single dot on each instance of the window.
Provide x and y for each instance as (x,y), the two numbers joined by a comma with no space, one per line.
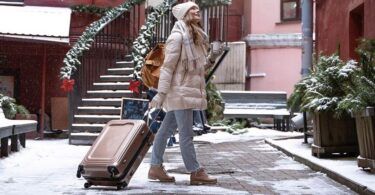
(290,10)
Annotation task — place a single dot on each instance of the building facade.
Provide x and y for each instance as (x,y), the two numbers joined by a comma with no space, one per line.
(273,35)
(340,25)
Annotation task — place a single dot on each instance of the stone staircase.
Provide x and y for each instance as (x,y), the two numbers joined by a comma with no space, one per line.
(102,103)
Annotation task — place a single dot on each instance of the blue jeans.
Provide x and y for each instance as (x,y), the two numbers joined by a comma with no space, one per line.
(183,120)
(199,118)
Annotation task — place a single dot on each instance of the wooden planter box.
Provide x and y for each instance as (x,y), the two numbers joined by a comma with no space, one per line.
(365,123)
(334,136)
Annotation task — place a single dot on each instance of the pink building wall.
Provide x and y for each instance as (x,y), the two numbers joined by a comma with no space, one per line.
(272,67)
(281,68)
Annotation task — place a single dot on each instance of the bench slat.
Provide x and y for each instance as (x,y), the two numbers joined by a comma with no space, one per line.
(257,104)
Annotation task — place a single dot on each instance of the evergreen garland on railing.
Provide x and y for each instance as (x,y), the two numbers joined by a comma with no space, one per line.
(71,60)
(91,9)
(141,45)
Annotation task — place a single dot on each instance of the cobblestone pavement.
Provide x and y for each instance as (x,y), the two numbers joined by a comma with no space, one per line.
(253,167)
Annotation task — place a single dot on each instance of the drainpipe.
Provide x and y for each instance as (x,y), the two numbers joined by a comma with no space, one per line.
(307,47)
(307,39)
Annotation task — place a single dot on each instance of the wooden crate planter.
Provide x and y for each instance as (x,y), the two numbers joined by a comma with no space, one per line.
(365,123)
(334,136)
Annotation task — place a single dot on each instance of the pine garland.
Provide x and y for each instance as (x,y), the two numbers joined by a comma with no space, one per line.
(71,60)
(91,9)
(142,44)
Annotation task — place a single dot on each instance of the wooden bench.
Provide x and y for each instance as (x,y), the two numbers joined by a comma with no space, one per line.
(257,104)
(15,130)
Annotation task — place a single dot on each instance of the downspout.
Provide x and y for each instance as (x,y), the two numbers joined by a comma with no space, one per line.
(248,48)
(307,47)
(307,39)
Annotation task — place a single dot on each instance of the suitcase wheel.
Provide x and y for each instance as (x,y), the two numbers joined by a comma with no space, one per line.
(121,186)
(87,185)
(80,171)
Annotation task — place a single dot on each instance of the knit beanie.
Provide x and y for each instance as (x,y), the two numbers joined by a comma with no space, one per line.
(179,11)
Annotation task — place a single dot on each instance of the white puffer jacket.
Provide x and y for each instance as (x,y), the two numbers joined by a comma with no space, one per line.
(184,87)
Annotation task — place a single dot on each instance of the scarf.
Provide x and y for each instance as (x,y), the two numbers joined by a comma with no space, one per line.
(194,59)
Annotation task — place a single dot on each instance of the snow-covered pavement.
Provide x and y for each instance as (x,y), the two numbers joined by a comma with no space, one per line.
(243,164)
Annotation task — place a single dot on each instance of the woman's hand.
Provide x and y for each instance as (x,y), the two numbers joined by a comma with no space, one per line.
(157,101)
(216,50)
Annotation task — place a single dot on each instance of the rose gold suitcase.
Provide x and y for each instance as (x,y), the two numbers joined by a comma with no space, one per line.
(116,153)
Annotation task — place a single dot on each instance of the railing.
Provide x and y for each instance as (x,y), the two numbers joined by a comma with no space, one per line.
(112,43)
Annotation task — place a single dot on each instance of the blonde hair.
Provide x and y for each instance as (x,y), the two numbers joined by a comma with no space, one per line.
(193,26)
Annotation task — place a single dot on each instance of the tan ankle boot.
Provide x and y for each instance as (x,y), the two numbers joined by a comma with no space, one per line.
(157,172)
(200,177)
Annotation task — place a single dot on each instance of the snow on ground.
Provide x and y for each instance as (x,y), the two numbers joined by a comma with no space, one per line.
(298,186)
(251,134)
(346,167)
(49,167)
(285,164)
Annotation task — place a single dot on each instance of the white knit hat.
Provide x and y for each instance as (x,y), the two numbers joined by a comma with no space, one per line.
(179,11)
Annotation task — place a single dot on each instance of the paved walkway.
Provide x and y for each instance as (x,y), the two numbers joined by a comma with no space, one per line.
(243,165)
(256,168)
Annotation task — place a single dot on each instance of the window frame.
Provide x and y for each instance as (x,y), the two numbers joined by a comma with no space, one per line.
(298,10)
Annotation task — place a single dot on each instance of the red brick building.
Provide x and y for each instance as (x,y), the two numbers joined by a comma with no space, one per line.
(339,25)
(34,60)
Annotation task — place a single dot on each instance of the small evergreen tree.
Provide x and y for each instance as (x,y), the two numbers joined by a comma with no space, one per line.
(325,87)
(361,93)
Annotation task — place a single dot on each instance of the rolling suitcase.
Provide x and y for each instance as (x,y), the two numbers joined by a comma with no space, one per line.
(116,153)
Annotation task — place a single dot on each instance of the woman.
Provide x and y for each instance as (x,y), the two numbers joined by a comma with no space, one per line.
(181,90)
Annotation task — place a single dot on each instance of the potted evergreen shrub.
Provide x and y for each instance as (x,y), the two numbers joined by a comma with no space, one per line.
(360,100)
(10,108)
(320,93)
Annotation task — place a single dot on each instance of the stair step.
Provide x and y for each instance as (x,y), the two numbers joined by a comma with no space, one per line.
(111,86)
(109,93)
(129,64)
(99,110)
(128,57)
(88,128)
(82,138)
(120,71)
(101,119)
(116,78)
(101,102)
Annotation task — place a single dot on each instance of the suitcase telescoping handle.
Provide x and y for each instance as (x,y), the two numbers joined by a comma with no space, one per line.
(148,112)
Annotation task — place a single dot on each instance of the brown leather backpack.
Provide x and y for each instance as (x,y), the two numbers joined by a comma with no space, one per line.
(150,71)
